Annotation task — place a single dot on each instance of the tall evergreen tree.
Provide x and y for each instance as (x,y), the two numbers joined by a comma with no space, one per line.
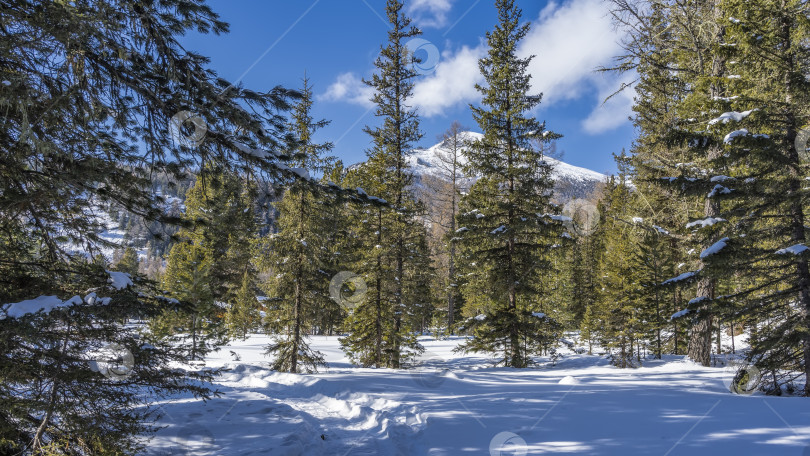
(761,173)
(508,226)
(451,163)
(220,207)
(299,256)
(200,325)
(88,96)
(380,333)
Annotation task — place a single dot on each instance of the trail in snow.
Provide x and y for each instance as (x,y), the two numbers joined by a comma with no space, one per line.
(456,405)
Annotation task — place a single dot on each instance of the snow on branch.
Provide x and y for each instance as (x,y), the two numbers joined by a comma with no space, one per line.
(729,116)
(797,249)
(718,190)
(119,280)
(714,248)
(703,223)
(679,314)
(681,278)
(735,134)
(43,304)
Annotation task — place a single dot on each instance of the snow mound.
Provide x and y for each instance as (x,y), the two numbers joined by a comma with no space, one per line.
(569,380)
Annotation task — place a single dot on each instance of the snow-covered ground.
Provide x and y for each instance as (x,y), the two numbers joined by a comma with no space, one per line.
(460,405)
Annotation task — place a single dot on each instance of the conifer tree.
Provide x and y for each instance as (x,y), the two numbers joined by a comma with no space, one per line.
(759,121)
(507,223)
(299,257)
(200,325)
(618,305)
(129,262)
(380,333)
(89,93)
(675,155)
(242,316)
(220,206)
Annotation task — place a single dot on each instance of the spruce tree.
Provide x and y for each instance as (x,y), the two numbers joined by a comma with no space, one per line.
(447,193)
(129,262)
(220,209)
(380,331)
(299,257)
(760,122)
(507,224)
(88,94)
(618,304)
(200,324)
(242,317)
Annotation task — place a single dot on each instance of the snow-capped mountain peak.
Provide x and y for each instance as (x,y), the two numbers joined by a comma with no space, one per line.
(572,181)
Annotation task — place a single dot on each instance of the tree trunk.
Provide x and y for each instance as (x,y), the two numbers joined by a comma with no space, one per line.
(296,325)
(36,444)
(194,336)
(700,339)
(378,320)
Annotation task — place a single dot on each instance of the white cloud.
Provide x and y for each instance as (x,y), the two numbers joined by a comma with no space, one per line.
(429,13)
(452,83)
(349,87)
(570,41)
(614,112)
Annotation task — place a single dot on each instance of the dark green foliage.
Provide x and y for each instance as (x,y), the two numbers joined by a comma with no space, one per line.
(128,262)
(392,238)
(200,325)
(300,258)
(508,224)
(242,317)
(57,396)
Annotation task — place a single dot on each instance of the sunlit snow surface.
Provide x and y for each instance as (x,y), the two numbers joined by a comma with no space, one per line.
(460,405)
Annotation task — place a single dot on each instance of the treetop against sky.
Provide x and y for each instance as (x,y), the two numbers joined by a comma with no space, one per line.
(335,43)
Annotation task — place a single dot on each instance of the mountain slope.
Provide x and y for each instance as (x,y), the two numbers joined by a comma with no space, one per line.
(571,181)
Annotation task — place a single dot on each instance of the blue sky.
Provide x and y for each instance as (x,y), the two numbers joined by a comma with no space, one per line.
(335,41)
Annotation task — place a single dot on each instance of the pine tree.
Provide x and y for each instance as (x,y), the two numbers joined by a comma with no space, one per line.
(200,325)
(761,173)
(242,317)
(221,207)
(299,257)
(129,262)
(508,226)
(675,155)
(618,304)
(88,94)
(380,334)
